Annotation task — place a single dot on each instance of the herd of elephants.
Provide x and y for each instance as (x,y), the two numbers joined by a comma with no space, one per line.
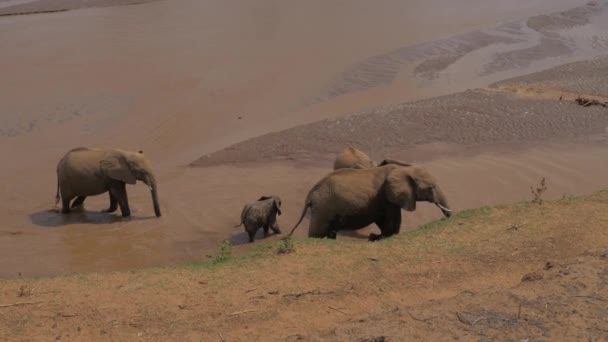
(356,194)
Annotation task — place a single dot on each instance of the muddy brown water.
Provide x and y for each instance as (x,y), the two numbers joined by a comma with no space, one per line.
(174,77)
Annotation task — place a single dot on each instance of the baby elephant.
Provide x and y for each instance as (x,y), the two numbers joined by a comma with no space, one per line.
(261,213)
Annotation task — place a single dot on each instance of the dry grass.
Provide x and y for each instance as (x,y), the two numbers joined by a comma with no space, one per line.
(456,278)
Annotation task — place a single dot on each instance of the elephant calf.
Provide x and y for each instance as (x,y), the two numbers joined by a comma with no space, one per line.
(261,214)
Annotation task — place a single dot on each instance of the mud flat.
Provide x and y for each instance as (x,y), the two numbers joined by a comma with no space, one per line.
(463,121)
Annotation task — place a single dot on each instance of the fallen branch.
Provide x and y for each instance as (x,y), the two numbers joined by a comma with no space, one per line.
(425,320)
(340,311)
(591,297)
(468,322)
(590,102)
(242,312)
(221,337)
(19,304)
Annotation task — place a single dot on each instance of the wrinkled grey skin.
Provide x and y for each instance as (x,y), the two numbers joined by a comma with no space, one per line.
(351,199)
(84,172)
(261,214)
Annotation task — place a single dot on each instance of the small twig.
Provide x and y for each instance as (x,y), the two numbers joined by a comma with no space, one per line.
(519,311)
(425,320)
(591,297)
(19,304)
(340,311)
(221,337)
(242,312)
(251,290)
(67,315)
(314,292)
(468,322)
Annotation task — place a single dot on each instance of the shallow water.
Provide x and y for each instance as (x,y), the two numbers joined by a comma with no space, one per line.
(174,77)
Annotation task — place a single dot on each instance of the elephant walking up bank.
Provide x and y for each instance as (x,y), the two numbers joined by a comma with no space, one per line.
(351,199)
(261,214)
(86,172)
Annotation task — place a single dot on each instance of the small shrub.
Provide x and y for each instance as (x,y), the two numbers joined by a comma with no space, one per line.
(286,246)
(225,252)
(537,193)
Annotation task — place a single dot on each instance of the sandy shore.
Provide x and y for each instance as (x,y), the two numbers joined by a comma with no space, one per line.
(428,128)
(179,83)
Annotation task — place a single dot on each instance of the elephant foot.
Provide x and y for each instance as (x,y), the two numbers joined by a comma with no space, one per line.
(374,237)
(127,214)
(65,211)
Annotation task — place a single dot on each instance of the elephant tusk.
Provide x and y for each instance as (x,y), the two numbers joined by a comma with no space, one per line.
(150,187)
(443,208)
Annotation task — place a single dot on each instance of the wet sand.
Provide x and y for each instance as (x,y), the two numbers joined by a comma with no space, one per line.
(23,7)
(177,83)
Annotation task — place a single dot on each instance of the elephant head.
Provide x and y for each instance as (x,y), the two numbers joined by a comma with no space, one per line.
(276,201)
(129,167)
(407,185)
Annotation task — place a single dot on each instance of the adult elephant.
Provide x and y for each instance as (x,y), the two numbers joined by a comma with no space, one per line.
(352,158)
(86,172)
(351,199)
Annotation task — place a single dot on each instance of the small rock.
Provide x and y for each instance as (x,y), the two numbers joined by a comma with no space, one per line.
(549,265)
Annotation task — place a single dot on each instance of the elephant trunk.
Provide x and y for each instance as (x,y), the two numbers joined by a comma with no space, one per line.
(442,203)
(151,182)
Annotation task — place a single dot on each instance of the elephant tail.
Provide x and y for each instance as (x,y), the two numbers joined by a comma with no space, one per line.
(307,205)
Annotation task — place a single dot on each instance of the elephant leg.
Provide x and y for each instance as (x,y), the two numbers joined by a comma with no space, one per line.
(119,191)
(319,227)
(113,204)
(65,204)
(78,201)
(275,227)
(251,233)
(266,230)
(389,223)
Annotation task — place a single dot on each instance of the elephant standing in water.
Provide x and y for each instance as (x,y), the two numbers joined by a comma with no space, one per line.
(351,199)
(86,172)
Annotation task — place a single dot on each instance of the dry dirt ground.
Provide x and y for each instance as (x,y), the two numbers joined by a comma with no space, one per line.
(522,272)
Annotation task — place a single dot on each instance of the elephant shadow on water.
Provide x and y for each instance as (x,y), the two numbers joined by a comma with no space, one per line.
(53,218)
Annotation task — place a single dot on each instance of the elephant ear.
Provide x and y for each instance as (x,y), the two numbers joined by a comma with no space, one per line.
(400,189)
(116,167)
